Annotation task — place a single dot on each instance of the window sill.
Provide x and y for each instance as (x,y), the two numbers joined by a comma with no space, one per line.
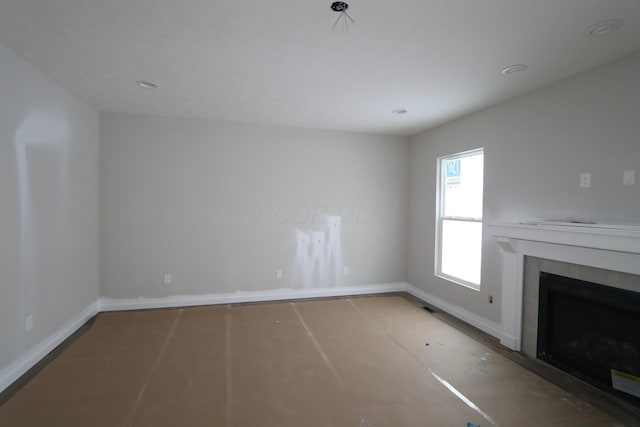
(457,281)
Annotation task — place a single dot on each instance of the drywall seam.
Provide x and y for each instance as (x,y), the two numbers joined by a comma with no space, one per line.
(491,328)
(108,304)
(21,365)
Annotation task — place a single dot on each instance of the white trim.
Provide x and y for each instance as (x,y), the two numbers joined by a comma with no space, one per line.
(441,217)
(10,373)
(596,236)
(491,328)
(608,247)
(109,304)
(20,366)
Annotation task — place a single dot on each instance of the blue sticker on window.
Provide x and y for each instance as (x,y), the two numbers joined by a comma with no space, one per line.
(452,167)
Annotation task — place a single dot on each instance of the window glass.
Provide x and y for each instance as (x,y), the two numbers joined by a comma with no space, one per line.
(463,186)
(459,233)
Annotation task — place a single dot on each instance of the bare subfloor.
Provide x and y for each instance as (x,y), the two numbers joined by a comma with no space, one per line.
(374,361)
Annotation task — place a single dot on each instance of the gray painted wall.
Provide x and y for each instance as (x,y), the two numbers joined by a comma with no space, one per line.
(219,206)
(48,208)
(536,146)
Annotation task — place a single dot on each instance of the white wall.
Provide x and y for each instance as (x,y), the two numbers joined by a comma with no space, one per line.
(536,146)
(48,209)
(219,206)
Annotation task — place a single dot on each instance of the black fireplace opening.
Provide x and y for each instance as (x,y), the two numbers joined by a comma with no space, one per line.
(592,332)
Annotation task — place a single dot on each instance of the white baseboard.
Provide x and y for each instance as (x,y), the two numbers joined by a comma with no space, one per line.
(109,304)
(491,328)
(510,341)
(20,366)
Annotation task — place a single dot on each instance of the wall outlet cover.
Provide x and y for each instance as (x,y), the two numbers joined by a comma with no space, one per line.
(629,177)
(585,180)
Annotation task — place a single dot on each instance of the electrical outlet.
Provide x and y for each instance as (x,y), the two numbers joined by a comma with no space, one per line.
(490,299)
(278,274)
(585,180)
(629,177)
(29,323)
(345,271)
(167,279)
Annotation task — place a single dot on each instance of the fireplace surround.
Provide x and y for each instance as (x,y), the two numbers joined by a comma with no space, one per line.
(600,247)
(604,255)
(607,256)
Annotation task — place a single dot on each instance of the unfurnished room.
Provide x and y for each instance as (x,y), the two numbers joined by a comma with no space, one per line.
(318,213)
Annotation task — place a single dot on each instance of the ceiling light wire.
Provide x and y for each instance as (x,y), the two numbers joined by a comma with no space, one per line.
(341,8)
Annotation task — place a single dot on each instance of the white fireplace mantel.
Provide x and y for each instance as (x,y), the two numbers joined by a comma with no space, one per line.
(608,247)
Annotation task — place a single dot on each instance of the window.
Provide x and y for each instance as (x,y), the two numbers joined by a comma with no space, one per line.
(459,217)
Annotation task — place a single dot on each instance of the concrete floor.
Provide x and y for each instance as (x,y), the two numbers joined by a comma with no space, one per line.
(371,361)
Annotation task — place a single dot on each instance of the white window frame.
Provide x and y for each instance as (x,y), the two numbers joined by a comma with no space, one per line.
(440,218)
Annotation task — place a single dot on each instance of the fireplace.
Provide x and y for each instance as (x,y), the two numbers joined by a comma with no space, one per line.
(591,331)
(608,255)
(606,247)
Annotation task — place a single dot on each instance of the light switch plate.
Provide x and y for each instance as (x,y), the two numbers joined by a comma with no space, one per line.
(585,180)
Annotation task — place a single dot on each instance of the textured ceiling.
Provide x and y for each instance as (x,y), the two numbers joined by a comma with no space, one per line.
(280,62)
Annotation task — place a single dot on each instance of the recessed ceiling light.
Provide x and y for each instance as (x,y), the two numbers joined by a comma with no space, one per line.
(514,69)
(399,111)
(146,84)
(604,27)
